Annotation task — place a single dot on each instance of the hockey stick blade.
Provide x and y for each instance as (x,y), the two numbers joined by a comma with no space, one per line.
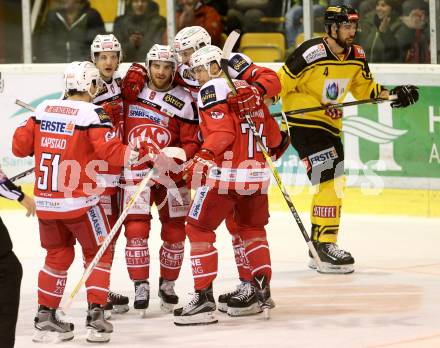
(227,49)
(24,105)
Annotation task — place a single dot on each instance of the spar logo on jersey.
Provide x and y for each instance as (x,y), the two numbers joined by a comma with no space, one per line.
(97,222)
(238,63)
(173,101)
(57,125)
(197,204)
(158,134)
(314,53)
(334,89)
(323,156)
(136,111)
(208,95)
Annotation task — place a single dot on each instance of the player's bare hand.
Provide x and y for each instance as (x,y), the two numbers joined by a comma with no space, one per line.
(29,204)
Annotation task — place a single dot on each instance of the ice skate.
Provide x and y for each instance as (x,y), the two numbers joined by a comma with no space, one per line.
(168,297)
(199,311)
(98,328)
(141,297)
(49,328)
(244,302)
(263,294)
(333,259)
(223,298)
(116,304)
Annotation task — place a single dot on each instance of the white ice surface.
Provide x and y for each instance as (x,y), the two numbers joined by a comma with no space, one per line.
(392,300)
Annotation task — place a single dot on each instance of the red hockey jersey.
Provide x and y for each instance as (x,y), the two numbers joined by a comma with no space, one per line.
(69,140)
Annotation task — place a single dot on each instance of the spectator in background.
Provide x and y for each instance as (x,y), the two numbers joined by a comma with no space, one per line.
(413,35)
(378,34)
(194,12)
(245,15)
(139,29)
(294,20)
(69,31)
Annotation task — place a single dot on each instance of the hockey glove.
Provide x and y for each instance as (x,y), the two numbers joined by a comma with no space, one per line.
(114,110)
(143,153)
(133,82)
(333,113)
(197,169)
(170,168)
(406,96)
(247,100)
(280,149)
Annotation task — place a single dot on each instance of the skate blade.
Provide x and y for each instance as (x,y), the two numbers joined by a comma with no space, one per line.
(222,307)
(166,307)
(241,312)
(41,336)
(266,313)
(120,309)
(142,313)
(94,336)
(328,268)
(107,314)
(196,319)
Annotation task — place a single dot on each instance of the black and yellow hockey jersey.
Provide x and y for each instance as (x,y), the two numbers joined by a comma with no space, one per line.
(313,75)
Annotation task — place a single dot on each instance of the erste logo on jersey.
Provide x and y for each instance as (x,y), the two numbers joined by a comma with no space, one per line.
(160,135)
(208,95)
(57,125)
(314,53)
(136,111)
(174,101)
(238,63)
(321,157)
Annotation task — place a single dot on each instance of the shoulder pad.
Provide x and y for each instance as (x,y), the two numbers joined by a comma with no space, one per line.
(314,53)
(102,116)
(238,64)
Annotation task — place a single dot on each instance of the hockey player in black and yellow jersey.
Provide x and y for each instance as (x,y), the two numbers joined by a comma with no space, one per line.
(319,72)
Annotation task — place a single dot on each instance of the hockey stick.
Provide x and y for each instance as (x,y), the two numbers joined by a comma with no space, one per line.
(334,106)
(23,174)
(168,151)
(227,49)
(30,170)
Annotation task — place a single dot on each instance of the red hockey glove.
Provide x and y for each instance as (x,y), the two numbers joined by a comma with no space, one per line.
(247,100)
(114,110)
(144,153)
(197,169)
(133,82)
(333,113)
(280,149)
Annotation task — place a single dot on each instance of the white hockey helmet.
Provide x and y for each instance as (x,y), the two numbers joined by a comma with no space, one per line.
(80,76)
(191,37)
(105,43)
(163,53)
(205,56)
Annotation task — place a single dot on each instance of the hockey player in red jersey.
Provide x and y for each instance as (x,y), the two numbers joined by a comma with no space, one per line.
(186,42)
(106,54)
(229,171)
(165,115)
(68,139)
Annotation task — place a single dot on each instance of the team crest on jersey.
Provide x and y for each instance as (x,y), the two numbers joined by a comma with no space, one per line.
(334,89)
(217,115)
(238,63)
(358,52)
(173,101)
(314,53)
(160,135)
(208,95)
(57,125)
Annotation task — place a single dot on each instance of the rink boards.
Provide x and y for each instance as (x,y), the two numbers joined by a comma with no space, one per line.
(392,155)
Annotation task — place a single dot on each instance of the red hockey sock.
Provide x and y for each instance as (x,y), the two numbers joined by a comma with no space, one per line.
(258,255)
(204,266)
(98,284)
(137,255)
(243,267)
(171,258)
(51,285)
